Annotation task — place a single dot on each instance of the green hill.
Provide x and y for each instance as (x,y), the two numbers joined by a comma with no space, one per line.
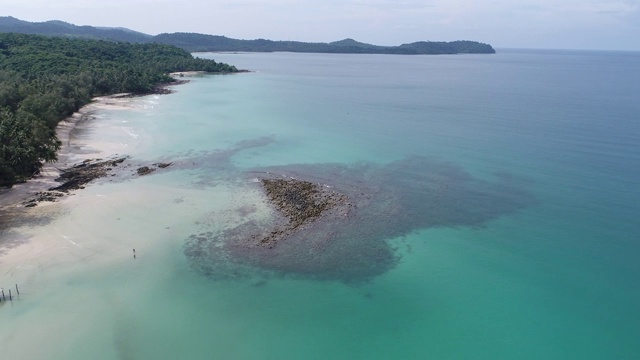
(10,24)
(194,42)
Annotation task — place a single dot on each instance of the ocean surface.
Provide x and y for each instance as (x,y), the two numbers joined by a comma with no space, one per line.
(497,216)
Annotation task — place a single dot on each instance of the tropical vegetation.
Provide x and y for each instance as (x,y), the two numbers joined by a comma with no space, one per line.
(43,80)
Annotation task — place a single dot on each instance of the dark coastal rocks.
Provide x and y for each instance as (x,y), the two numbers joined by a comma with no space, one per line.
(80,175)
(74,178)
(50,196)
(144,170)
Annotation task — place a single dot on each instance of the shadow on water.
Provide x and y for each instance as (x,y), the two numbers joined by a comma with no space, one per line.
(12,219)
(385,202)
(10,239)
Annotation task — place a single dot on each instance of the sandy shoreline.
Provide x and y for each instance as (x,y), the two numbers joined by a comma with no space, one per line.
(18,248)
(14,196)
(23,247)
(179,74)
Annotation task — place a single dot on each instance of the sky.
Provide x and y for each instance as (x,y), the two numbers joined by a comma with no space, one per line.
(545,24)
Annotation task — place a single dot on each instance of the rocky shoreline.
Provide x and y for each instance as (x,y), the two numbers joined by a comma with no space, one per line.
(78,176)
(41,187)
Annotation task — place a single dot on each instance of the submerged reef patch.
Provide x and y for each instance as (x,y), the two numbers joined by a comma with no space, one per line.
(343,235)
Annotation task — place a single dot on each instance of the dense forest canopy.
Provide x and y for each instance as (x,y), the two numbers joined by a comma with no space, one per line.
(45,79)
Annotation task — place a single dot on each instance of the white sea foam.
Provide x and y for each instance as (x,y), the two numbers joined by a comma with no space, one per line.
(130,131)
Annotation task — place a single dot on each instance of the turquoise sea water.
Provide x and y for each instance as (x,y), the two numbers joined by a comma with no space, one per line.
(499,214)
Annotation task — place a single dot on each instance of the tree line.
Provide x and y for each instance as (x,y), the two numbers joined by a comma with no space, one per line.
(43,80)
(201,43)
(194,42)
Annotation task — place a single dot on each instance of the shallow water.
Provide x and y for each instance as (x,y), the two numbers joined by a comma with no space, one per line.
(498,203)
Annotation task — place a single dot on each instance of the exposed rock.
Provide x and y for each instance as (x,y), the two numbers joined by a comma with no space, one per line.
(301,202)
(50,196)
(79,175)
(144,170)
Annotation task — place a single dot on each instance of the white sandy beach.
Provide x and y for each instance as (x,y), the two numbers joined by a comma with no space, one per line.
(25,247)
(66,155)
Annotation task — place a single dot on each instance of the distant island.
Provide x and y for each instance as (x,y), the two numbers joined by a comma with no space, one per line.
(194,42)
(202,43)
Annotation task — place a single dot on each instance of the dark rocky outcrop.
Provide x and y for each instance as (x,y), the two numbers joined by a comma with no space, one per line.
(78,176)
(144,170)
(89,170)
(301,202)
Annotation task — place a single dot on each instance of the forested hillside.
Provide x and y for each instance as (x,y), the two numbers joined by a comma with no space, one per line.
(194,42)
(10,24)
(45,79)
(200,43)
